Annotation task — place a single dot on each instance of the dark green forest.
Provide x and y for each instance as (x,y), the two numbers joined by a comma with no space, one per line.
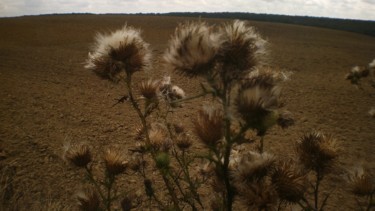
(357,26)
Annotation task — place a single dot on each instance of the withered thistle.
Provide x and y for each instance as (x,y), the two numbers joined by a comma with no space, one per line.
(255,106)
(289,183)
(159,138)
(259,196)
(356,73)
(209,125)
(183,141)
(115,161)
(316,151)
(252,168)
(361,182)
(88,200)
(192,50)
(149,89)
(78,155)
(285,119)
(242,48)
(122,52)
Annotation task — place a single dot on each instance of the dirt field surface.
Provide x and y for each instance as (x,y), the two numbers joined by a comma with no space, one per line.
(47,99)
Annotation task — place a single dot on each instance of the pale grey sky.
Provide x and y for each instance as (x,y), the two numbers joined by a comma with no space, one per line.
(352,9)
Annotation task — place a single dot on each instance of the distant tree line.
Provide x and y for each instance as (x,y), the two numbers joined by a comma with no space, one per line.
(358,26)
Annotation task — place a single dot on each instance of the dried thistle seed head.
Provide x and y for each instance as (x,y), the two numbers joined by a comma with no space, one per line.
(121,51)
(183,141)
(192,50)
(159,138)
(115,161)
(289,183)
(259,196)
(252,167)
(255,105)
(265,77)
(356,73)
(78,155)
(361,182)
(209,125)
(285,119)
(316,151)
(178,128)
(149,89)
(176,93)
(88,200)
(242,49)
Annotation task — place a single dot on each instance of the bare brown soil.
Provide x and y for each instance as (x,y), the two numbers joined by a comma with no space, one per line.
(48,99)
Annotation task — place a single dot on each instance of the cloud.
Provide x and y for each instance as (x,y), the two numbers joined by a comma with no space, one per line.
(354,9)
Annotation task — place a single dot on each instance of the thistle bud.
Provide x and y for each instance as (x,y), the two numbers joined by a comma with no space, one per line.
(162,161)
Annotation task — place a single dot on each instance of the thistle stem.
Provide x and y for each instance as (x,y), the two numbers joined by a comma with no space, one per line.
(261,145)
(93,181)
(316,189)
(144,124)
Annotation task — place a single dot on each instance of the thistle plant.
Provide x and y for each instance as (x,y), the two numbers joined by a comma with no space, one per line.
(362,185)
(230,61)
(102,194)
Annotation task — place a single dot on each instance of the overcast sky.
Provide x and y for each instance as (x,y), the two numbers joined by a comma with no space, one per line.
(352,9)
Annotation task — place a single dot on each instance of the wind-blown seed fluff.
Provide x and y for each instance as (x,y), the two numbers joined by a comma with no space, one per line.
(243,48)
(192,50)
(122,51)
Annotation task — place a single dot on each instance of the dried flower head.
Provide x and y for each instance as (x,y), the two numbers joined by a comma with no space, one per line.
(285,119)
(122,51)
(253,167)
(193,48)
(159,138)
(289,183)
(115,161)
(259,196)
(243,48)
(178,128)
(183,141)
(356,73)
(209,125)
(176,93)
(79,155)
(361,182)
(255,106)
(316,151)
(88,200)
(149,89)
